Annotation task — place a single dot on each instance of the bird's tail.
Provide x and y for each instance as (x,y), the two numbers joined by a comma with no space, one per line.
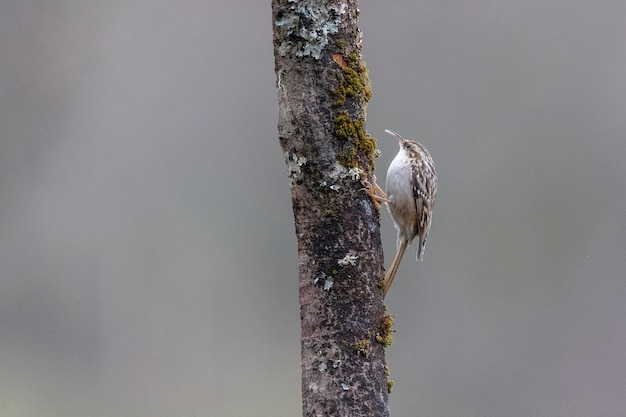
(393,268)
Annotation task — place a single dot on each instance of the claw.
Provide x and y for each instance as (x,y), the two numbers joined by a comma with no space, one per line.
(374,191)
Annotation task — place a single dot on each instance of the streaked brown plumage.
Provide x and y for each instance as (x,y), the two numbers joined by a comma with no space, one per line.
(411,190)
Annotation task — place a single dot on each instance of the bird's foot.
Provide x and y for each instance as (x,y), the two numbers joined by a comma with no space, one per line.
(374,191)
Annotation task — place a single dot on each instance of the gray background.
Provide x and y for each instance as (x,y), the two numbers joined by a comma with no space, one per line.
(147,254)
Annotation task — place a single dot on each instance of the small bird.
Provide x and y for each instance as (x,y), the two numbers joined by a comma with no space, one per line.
(411,190)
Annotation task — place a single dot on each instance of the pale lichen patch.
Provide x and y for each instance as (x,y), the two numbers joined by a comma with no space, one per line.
(348,260)
(294,164)
(355,173)
(307,25)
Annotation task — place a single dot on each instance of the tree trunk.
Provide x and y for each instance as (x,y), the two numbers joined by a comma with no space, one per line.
(323,89)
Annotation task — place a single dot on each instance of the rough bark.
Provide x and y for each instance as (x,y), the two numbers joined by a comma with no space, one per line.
(323,89)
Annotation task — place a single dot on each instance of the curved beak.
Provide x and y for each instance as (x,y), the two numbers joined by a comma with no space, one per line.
(392,133)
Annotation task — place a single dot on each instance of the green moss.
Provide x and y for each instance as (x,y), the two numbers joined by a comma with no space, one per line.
(330,213)
(385,330)
(389,381)
(353,87)
(355,56)
(353,78)
(389,385)
(339,97)
(358,83)
(362,346)
(353,130)
(347,128)
(367,145)
(352,83)
(347,157)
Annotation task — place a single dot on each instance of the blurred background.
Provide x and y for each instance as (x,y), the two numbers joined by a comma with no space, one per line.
(148,262)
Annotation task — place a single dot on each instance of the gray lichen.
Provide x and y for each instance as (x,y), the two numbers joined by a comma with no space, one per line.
(349,259)
(306,26)
(294,163)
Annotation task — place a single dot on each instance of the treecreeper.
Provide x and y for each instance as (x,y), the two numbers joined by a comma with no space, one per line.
(411,188)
